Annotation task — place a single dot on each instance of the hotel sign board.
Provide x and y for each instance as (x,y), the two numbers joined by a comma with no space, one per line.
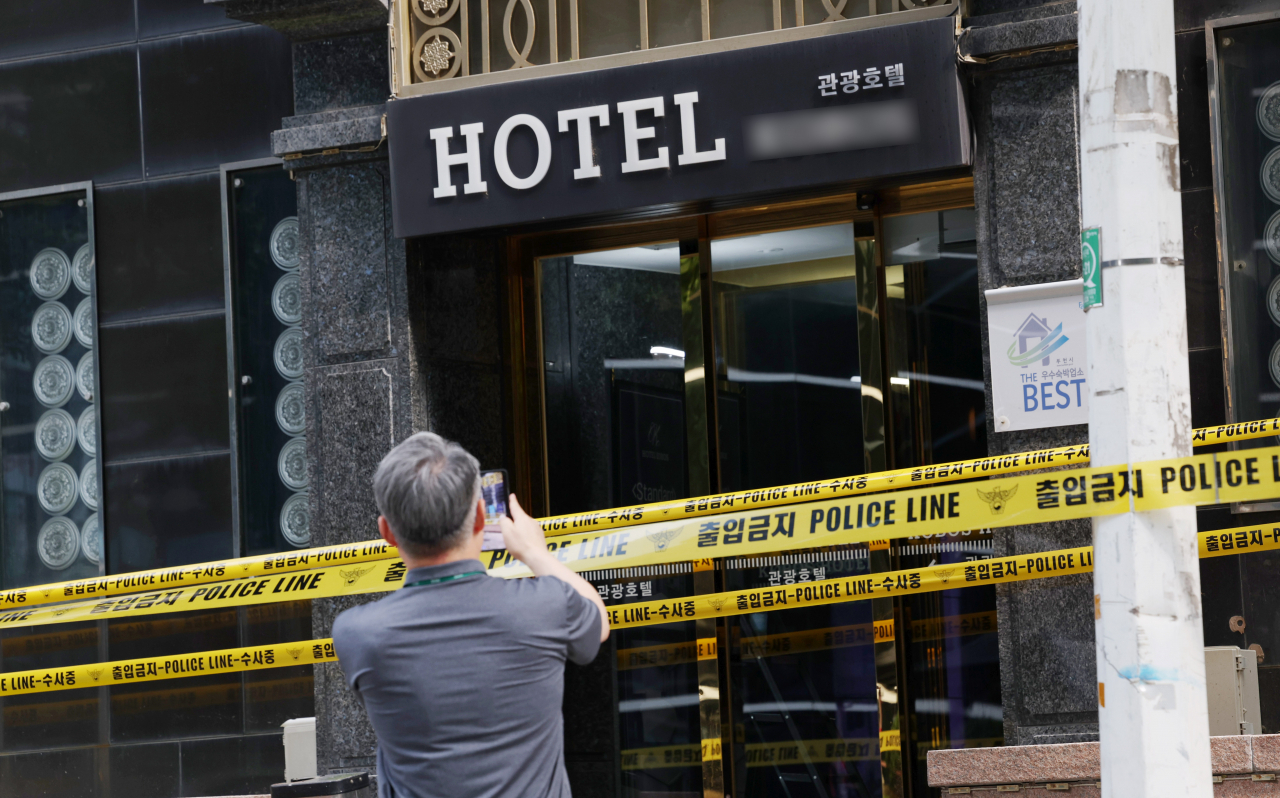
(840,109)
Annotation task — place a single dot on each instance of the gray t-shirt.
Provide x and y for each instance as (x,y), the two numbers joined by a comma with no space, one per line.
(463,681)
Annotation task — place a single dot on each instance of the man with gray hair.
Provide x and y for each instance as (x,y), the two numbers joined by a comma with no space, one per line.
(462,674)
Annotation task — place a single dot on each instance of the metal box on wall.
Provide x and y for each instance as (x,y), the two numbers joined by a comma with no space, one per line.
(1231,681)
(299,749)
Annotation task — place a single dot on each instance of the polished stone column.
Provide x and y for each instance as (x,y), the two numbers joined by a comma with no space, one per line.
(1027,194)
(358,395)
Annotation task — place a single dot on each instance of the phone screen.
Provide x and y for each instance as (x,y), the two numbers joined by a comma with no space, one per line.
(493,490)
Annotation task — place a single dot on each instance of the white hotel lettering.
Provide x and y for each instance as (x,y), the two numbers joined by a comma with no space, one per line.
(634,132)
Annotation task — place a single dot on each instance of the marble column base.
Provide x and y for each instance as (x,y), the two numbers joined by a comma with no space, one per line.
(1243,765)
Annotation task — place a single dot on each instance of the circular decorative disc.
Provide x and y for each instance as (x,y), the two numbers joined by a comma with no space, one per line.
(55,435)
(56,488)
(286,299)
(1269,112)
(50,273)
(51,327)
(288,354)
(84,376)
(1273,300)
(82,323)
(82,269)
(89,485)
(1271,237)
(1269,174)
(295,520)
(292,464)
(53,381)
(87,430)
(284,244)
(91,539)
(58,543)
(436,53)
(1273,364)
(291,409)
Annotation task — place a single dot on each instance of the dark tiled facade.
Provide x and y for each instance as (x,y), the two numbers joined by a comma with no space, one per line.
(147,99)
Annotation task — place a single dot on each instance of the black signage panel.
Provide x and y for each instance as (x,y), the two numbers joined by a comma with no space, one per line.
(759,120)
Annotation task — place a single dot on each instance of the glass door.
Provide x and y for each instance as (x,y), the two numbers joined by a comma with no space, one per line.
(790,385)
(613,377)
(746,350)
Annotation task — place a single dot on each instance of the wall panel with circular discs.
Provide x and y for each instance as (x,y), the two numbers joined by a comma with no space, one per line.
(50,500)
(270,412)
(1247,168)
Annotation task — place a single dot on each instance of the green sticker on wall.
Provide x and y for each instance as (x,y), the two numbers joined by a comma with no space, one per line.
(1091,266)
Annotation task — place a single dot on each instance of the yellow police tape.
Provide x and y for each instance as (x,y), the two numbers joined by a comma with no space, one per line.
(806,594)
(369,551)
(1029,499)
(872,483)
(148,669)
(199,574)
(1248,475)
(1023,567)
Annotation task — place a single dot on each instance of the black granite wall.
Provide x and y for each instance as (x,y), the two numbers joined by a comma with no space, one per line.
(357,386)
(457,318)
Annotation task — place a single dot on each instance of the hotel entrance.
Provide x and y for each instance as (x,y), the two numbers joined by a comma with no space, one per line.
(686,357)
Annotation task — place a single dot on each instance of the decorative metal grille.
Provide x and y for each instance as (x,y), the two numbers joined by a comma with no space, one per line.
(435,39)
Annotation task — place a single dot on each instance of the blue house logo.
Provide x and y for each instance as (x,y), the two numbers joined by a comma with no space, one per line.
(1047,341)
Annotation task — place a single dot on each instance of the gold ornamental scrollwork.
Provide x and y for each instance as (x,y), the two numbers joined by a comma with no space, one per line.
(521,57)
(835,12)
(437,55)
(435,12)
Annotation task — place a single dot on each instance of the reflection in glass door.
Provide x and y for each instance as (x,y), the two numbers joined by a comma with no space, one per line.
(950,640)
(807,698)
(799,399)
(789,392)
(657,678)
(935,341)
(613,377)
(953,657)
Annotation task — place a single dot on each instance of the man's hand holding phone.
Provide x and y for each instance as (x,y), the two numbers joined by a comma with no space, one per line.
(528,544)
(523,535)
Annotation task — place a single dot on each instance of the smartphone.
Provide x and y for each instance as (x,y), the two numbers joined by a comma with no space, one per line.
(493,490)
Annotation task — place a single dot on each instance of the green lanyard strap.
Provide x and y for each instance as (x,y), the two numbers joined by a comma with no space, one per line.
(442,579)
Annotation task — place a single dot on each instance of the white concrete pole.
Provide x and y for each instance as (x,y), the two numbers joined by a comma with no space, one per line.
(1150,644)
